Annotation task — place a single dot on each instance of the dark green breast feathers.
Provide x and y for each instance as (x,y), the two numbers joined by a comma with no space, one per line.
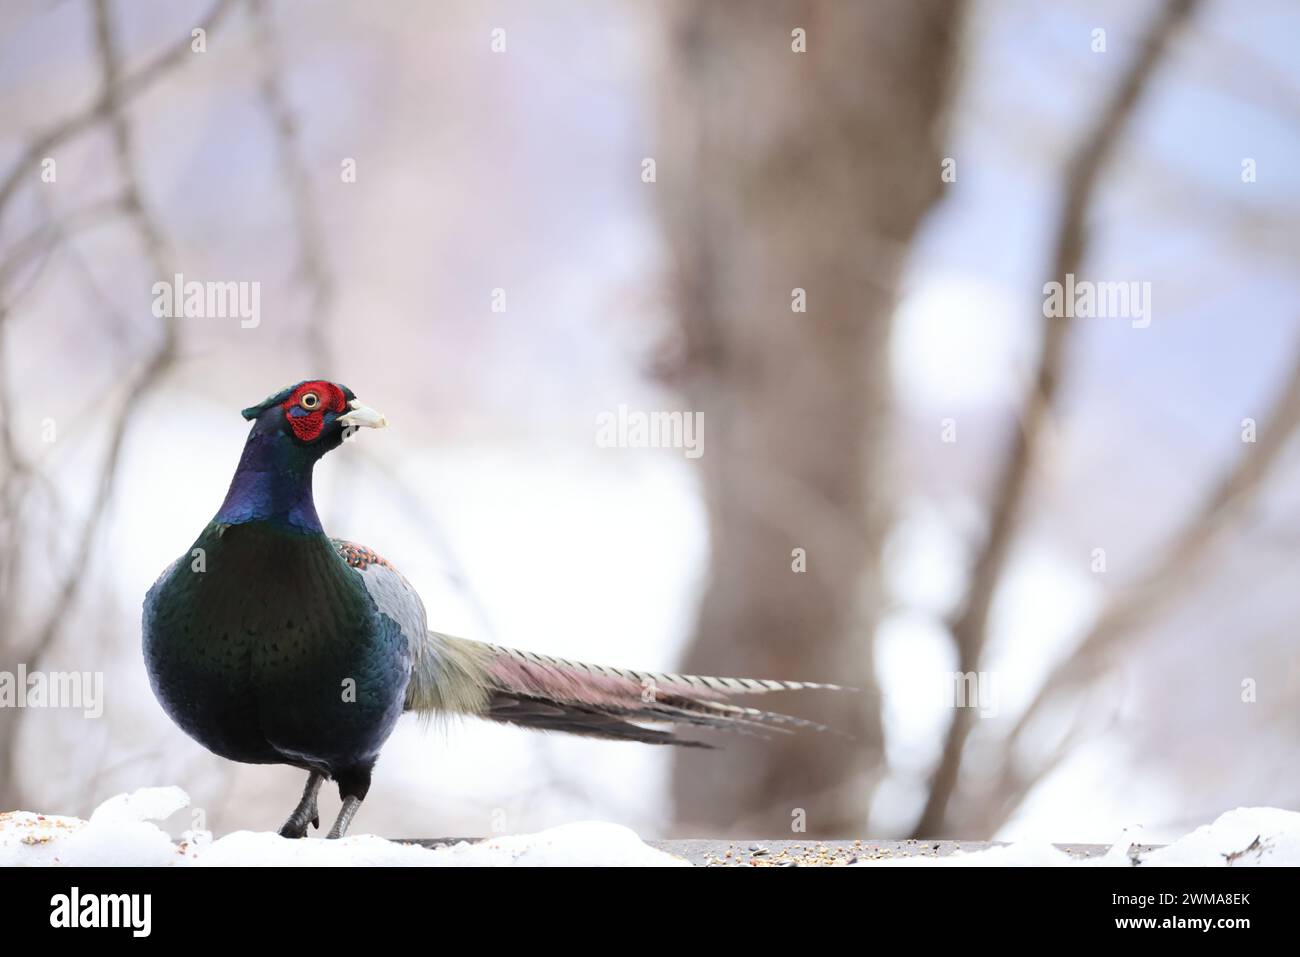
(266,647)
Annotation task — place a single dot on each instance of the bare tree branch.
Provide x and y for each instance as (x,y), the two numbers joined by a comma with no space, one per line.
(126,88)
(115,90)
(1082,172)
(40,242)
(312,268)
(1169,578)
(156,364)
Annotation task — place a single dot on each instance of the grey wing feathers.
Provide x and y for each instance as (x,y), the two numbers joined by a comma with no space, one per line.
(391,593)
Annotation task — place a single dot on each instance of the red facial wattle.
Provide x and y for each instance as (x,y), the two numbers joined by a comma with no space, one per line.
(307,424)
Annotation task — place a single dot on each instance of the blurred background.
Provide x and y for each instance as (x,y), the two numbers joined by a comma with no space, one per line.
(836,259)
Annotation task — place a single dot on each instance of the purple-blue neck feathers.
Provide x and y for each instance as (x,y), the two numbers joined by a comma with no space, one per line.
(272,484)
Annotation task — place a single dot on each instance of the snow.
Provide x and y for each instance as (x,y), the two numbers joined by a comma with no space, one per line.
(1246,837)
(122,832)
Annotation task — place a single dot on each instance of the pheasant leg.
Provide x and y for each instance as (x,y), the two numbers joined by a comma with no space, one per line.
(305,813)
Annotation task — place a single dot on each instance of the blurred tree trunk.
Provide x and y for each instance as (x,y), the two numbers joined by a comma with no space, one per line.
(780,170)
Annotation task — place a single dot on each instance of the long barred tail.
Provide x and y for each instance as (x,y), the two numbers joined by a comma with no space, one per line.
(554,694)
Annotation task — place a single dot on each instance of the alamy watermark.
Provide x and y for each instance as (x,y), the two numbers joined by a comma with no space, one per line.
(178,299)
(133,912)
(1085,299)
(971,689)
(77,690)
(626,428)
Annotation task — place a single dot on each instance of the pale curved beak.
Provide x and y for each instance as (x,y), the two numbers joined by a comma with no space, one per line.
(363,416)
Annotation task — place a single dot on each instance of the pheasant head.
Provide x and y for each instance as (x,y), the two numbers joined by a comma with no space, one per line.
(314,415)
(292,429)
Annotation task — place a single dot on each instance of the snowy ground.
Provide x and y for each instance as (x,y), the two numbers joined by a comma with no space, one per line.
(123,832)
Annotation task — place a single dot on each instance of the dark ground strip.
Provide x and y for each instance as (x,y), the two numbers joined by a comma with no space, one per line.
(814,853)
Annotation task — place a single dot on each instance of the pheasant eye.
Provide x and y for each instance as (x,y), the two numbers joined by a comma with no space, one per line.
(309,401)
